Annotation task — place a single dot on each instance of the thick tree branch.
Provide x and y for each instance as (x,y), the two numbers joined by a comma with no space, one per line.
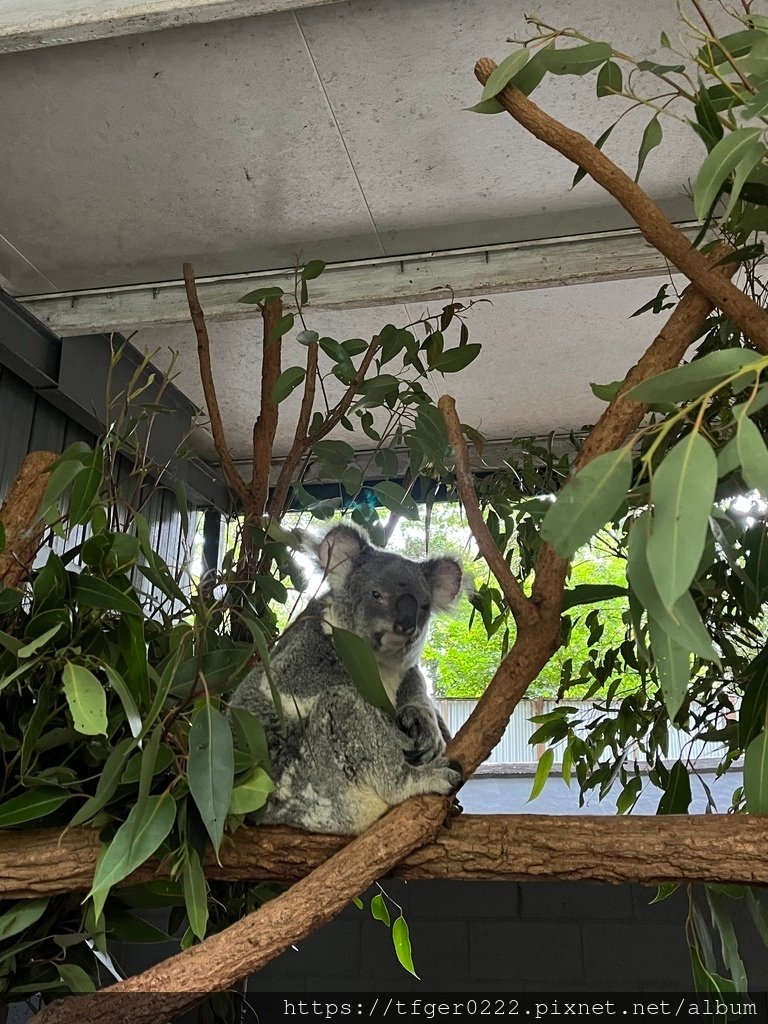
(523,610)
(18,515)
(265,427)
(659,231)
(522,847)
(231,473)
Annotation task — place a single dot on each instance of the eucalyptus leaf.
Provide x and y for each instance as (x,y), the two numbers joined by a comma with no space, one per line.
(31,805)
(287,382)
(250,795)
(753,455)
(455,359)
(313,269)
(504,73)
(672,666)
(651,139)
(138,838)
(718,165)
(576,60)
(402,943)
(683,491)
(86,699)
(609,79)
(363,669)
(587,501)
(755,774)
(677,793)
(21,915)
(210,769)
(379,910)
(261,295)
(694,379)
(396,498)
(195,893)
(543,769)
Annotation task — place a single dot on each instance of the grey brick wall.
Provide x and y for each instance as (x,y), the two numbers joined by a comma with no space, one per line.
(504,936)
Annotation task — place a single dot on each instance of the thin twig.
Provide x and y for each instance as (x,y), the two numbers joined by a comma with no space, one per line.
(522,609)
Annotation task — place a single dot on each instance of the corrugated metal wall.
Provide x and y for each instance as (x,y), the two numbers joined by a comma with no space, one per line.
(514,747)
(29,423)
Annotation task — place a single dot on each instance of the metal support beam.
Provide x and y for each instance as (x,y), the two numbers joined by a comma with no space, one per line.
(57,23)
(604,256)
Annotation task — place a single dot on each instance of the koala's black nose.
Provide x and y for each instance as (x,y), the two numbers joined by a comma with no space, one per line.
(406,610)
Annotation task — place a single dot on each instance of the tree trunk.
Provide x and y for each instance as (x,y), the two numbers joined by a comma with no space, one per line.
(18,514)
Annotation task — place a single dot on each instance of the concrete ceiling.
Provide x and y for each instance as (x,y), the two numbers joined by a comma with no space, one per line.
(332,131)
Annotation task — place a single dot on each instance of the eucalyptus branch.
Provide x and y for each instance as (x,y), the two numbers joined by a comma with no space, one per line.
(523,611)
(654,226)
(265,427)
(231,473)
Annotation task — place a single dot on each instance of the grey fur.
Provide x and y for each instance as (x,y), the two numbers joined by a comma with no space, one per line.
(339,763)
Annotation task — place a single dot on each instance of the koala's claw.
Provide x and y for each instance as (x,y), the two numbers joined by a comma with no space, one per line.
(426,742)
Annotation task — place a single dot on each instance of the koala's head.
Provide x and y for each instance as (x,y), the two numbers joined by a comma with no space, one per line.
(382,597)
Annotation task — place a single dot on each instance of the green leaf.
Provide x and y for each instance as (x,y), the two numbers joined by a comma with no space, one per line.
(28,649)
(672,666)
(755,775)
(598,145)
(694,379)
(10,598)
(664,891)
(122,690)
(719,163)
(737,44)
(651,139)
(455,359)
(576,60)
(352,480)
(543,769)
(252,794)
(587,501)
(86,698)
(86,486)
(62,475)
(283,326)
(758,105)
(261,294)
(250,735)
(287,382)
(591,593)
(683,622)
(402,943)
(753,455)
(109,780)
(211,768)
(660,69)
(396,499)
(606,392)
(609,79)
(307,337)
(195,893)
(752,157)
(360,662)
(683,491)
(728,945)
(313,269)
(21,915)
(504,73)
(97,593)
(677,794)
(33,804)
(138,838)
(379,910)
(491,106)
(75,978)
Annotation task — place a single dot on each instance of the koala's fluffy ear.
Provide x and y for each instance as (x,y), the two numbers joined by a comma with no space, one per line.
(445,577)
(337,552)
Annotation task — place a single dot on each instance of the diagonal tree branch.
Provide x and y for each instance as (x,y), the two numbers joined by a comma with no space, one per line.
(659,231)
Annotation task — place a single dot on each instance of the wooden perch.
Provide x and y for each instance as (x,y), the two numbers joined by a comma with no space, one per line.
(18,514)
(513,847)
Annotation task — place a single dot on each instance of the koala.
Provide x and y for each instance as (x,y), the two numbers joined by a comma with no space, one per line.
(339,763)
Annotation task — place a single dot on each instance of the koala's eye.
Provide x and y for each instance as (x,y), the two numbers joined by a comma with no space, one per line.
(375,595)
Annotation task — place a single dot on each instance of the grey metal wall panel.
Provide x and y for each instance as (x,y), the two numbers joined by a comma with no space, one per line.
(17,403)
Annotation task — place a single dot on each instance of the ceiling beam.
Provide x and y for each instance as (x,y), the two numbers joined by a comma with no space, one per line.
(607,256)
(35,24)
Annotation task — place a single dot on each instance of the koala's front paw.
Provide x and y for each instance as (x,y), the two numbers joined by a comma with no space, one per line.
(420,726)
(448,776)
